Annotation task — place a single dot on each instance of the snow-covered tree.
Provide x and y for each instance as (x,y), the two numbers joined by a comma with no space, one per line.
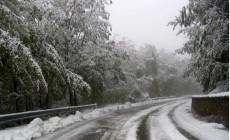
(79,31)
(31,68)
(20,71)
(206,23)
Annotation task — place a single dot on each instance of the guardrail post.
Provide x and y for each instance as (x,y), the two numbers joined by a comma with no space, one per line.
(69,112)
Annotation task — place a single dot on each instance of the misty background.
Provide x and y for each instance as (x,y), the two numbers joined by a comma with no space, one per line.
(145,22)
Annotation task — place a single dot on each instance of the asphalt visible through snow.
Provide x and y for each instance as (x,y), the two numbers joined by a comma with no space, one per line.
(113,126)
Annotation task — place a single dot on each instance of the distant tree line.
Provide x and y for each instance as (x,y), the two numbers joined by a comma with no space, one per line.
(151,73)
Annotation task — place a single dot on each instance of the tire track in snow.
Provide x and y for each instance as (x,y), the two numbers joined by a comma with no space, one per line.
(161,126)
(130,128)
(179,128)
(143,129)
(113,126)
(108,128)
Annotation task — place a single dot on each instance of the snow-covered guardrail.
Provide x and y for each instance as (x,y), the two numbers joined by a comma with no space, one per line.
(6,118)
(159,98)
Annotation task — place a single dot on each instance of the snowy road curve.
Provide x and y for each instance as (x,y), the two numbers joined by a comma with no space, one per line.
(165,120)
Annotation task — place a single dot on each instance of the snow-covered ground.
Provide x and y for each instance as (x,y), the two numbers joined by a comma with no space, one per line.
(130,127)
(161,127)
(163,118)
(200,129)
(38,127)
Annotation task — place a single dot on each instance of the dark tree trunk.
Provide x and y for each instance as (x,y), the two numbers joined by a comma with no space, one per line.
(1,112)
(75,99)
(17,109)
(26,103)
(92,97)
(66,54)
(15,86)
(47,101)
(70,97)
(40,100)
(69,90)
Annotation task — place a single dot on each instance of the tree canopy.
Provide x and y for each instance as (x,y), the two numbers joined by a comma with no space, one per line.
(206,23)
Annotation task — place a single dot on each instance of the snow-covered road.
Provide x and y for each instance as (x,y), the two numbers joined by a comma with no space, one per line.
(116,125)
(163,119)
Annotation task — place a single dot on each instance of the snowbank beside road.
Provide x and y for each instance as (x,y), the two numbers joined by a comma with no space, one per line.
(200,129)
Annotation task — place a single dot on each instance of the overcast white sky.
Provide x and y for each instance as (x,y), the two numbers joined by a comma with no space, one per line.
(145,21)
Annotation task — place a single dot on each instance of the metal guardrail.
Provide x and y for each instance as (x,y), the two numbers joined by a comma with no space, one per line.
(166,97)
(40,113)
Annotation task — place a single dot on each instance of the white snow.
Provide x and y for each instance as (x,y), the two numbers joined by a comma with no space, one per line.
(37,127)
(131,130)
(130,127)
(222,94)
(161,126)
(76,80)
(200,129)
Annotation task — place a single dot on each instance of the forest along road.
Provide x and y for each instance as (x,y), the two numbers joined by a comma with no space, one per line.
(145,122)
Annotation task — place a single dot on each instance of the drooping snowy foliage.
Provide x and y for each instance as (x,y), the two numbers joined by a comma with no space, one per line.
(31,61)
(76,81)
(65,39)
(17,60)
(206,23)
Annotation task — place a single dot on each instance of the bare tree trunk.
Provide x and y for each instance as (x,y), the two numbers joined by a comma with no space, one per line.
(17,109)
(47,101)
(40,100)
(15,84)
(75,98)
(0,104)
(26,103)
(70,97)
